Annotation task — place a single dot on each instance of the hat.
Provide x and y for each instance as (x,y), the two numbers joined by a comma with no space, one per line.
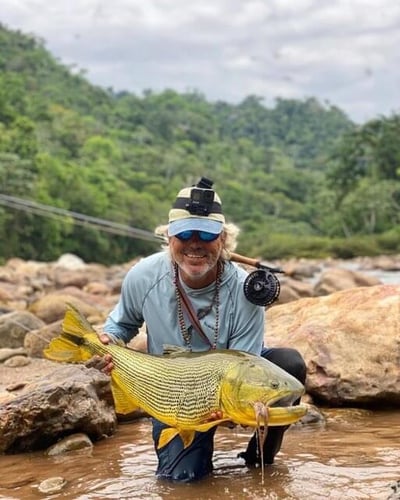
(196,208)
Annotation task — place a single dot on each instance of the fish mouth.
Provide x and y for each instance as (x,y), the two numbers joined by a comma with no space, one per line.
(281,410)
(286,400)
(270,416)
(283,398)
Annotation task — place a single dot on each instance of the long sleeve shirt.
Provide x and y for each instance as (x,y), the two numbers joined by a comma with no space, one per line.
(148,296)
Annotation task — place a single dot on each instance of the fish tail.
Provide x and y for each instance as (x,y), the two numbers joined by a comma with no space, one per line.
(71,346)
(75,323)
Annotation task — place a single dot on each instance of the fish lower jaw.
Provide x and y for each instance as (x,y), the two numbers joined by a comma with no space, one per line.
(285,415)
(277,415)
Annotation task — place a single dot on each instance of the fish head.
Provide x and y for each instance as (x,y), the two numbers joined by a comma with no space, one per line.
(255,385)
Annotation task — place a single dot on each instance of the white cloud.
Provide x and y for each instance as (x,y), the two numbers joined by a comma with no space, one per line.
(342,51)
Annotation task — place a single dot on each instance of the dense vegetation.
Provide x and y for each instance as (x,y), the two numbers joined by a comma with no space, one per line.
(300,179)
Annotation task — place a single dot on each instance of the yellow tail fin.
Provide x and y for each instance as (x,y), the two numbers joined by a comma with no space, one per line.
(75,323)
(69,346)
(64,350)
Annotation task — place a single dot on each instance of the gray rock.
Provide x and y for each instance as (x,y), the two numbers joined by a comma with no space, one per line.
(69,400)
(15,325)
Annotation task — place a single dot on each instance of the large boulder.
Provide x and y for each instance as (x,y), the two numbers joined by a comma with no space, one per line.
(350,342)
(71,399)
(52,306)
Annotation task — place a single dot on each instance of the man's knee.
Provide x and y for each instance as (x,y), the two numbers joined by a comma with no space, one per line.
(179,464)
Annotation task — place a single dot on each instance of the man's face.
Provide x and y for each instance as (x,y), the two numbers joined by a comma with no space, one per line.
(196,258)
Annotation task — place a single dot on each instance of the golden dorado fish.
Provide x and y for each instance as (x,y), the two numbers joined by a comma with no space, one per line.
(184,389)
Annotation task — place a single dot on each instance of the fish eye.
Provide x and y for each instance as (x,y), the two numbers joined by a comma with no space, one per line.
(275,384)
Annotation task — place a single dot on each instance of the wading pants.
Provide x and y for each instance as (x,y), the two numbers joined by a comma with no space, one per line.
(195,462)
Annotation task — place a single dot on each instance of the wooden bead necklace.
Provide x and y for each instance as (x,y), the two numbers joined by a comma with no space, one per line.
(202,313)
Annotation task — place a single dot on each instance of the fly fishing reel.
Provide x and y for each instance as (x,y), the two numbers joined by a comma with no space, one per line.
(261,287)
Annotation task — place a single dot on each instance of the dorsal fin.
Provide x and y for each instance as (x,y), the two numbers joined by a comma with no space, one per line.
(169,349)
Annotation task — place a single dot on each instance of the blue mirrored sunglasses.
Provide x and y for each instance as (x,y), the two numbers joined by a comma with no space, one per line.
(202,235)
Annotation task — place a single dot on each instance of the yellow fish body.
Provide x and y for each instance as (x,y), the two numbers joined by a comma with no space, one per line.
(184,389)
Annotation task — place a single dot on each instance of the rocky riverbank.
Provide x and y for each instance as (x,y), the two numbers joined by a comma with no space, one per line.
(343,320)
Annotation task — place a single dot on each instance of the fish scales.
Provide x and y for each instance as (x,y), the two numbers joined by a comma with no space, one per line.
(192,395)
(184,389)
(177,388)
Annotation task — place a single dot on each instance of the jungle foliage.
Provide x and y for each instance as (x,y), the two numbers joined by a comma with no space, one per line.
(300,178)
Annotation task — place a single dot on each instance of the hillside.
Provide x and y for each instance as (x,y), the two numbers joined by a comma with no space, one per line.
(284,173)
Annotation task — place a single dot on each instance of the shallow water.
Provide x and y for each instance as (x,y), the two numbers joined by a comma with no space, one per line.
(355,455)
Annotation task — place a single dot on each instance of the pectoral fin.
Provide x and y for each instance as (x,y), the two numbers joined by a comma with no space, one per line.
(187,436)
(209,425)
(169,433)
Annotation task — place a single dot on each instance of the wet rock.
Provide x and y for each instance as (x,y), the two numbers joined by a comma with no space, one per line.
(12,483)
(69,400)
(74,442)
(314,416)
(52,485)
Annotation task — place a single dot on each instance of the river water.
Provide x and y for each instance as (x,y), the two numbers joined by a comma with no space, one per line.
(354,454)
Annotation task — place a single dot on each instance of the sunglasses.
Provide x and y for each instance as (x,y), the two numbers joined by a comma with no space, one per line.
(202,235)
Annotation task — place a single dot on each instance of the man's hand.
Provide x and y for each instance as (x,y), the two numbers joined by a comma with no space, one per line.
(102,363)
(218,415)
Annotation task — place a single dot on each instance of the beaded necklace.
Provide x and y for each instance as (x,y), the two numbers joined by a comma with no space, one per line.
(202,313)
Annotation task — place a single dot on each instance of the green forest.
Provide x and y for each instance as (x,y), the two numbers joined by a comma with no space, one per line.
(300,178)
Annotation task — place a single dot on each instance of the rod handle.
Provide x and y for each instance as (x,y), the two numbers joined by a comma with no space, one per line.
(241,259)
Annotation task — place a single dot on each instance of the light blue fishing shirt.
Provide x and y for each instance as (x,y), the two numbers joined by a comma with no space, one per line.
(148,296)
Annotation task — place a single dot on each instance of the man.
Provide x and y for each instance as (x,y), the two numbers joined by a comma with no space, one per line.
(192,280)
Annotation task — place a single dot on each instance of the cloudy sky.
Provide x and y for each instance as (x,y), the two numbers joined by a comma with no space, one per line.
(345,52)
